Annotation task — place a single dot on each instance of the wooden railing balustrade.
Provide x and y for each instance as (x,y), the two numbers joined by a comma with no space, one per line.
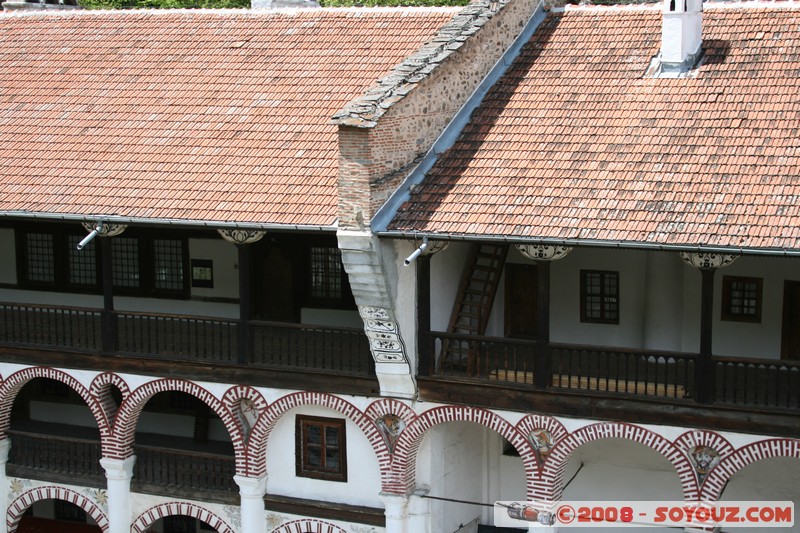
(166,467)
(189,338)
(765,382)
(59,458)
(758,383)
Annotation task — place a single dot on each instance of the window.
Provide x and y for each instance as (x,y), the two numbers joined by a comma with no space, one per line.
(321,450)
(600,296)
(326,273)
(741,299)
(141,262)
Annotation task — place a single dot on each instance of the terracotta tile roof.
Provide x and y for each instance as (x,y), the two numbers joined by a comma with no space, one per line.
(574,143)
(190,115)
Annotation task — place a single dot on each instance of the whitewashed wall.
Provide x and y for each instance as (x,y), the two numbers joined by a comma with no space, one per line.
(363,476)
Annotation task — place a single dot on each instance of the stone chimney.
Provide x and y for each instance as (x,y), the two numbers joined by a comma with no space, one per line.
(681,34)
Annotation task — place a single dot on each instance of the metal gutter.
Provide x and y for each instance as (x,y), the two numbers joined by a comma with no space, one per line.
(208,224)
(596,243)
(453,130)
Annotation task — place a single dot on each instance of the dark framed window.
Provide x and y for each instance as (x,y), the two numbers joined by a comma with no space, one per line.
(600,296)
(144,263)
(741,299)
(326,273)
(321,448)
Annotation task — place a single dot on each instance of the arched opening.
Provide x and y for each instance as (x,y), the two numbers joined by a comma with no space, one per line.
(54,436)
(771,479)
(56,516)
(180,524)
(472,467)
(183,448)
(614,469)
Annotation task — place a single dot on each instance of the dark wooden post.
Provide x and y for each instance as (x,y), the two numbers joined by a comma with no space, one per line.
(245,293)
(425,341)
(543,371)
(109,335)
(704,381)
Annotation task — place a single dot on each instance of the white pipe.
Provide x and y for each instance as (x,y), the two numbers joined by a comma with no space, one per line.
(86,240)
(410,259)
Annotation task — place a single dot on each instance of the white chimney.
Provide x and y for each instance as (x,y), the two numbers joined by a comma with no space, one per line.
(681,34)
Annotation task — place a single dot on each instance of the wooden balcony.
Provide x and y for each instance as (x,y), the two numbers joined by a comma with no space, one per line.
(619,376)
(270,345)
(70,454)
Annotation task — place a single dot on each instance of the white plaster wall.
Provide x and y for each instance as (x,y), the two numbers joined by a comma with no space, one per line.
(405,294)
(141,503)
(225,259)
(776,479)
(565,323)
(663,304)
(754,339)
(447,268)
(363,475)
(8,266)
(620,470)
(73,414)
(464,461)
(331,317)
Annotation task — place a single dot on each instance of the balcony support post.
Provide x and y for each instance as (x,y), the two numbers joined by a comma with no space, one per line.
(396,511)
(109,334)
(245,308)
(425,343)
(5,448)
(704,368)
(251,492)
(543,368)
(118,478)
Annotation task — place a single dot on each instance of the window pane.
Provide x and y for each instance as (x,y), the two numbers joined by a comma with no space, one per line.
(326,272)
(332,436)
(313,456)
(169,263)
(313,434)
(82,263)
(125,262)
(331,459)
(40,257)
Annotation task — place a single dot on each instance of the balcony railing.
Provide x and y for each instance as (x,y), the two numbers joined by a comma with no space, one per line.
(59,458)
(610,371)
(178,337)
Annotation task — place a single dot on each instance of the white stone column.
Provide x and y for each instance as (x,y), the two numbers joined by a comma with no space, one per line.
(118,479)
(251,492)
(419,512)
(5,447)
(396,511)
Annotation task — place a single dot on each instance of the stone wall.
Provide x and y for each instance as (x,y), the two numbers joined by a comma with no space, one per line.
(384,132)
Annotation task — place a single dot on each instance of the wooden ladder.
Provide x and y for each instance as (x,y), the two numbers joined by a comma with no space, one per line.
(473,304)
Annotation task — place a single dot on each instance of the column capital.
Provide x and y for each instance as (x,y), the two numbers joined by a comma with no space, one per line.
(543,252)
(251,487)
(241,236)
(396,505)
(707,261)
(118,469)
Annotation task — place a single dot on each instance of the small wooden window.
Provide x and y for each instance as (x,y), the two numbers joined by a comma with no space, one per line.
(741,299)
(600,296)
(321,450)
(326,273)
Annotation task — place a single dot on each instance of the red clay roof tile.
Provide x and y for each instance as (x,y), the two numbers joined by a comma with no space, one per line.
(212,116)
(574,142)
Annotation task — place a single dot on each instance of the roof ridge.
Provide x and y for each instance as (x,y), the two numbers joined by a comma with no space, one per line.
(247,12)
(365,110)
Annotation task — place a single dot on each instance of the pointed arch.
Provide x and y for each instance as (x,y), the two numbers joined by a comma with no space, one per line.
(259,436)
(553,471)
(9,389)
(131,408)
(744,456)
(152,515)
(405,451)
(52,492)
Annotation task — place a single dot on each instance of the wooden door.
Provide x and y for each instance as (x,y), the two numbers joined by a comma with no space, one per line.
(790,330)
(274,284)
(520,308)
